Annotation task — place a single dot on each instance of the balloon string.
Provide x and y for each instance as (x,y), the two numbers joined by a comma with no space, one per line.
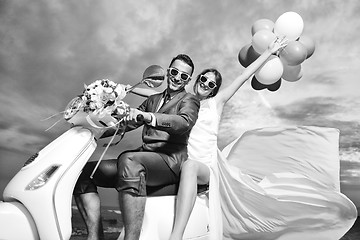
(52,125)
(52,116)
(103,153)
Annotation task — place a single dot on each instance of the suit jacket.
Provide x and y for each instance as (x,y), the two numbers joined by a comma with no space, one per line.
(174,121)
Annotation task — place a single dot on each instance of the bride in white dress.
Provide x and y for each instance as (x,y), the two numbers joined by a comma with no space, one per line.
(285,189)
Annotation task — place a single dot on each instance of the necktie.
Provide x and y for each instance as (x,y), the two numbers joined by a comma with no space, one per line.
(167,98)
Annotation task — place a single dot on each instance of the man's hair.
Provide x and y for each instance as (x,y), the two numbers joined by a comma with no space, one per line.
(186,59)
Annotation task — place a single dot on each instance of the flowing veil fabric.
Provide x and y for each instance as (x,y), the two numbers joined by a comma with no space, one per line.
(280,183)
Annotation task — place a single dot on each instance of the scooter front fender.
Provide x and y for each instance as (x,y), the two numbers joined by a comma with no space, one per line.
(16,222)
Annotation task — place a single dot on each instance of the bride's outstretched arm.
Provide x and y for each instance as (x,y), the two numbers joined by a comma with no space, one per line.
(225,94)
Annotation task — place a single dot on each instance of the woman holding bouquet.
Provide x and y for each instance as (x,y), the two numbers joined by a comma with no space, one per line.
(207,165)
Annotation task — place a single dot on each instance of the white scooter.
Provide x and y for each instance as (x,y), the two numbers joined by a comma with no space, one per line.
(37,200)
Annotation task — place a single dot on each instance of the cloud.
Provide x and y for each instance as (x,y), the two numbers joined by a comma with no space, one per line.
(325,111)
(21,128)
(246,110)
(54,47)
(50,48)
(308,110)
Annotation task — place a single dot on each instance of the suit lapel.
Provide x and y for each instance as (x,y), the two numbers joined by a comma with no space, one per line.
(172,102)
(157,101)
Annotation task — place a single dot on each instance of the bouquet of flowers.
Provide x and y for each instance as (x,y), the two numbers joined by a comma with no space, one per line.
(100,102)
(102,97)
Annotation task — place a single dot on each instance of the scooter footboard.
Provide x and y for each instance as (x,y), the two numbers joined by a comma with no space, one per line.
(16,222)
(160,214)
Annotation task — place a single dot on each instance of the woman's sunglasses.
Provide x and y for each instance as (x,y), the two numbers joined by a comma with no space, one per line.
(183,75)
(210,84)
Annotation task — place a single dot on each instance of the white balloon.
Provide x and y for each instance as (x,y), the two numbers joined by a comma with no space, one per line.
(290,25)
(271,71)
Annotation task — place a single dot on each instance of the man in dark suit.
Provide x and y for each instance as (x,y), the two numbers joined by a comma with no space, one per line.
(167,118)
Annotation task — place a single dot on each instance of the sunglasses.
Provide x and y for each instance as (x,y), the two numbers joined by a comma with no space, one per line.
(210,84)
(174,72)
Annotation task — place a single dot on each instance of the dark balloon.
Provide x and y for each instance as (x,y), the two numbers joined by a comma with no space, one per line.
(256,85)
(247,55)
(275,86)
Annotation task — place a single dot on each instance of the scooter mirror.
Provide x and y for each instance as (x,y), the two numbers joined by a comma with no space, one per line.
(153,76)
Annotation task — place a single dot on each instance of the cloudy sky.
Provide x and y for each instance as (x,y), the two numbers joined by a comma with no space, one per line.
(50,48)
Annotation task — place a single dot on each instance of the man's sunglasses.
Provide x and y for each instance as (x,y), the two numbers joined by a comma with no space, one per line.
(210,84)
(183,75)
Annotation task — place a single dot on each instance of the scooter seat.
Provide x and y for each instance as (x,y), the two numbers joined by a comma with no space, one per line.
(170,190)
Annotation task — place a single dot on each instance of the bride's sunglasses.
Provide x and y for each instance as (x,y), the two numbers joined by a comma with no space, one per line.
(210,84)
(174,72)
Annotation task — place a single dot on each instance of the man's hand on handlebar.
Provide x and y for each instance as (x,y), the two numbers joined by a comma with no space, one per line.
(135,116)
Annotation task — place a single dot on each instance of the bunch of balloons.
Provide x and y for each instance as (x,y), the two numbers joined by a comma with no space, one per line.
(284,65)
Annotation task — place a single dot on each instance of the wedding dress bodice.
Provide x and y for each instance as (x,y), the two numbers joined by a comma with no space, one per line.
(202,144)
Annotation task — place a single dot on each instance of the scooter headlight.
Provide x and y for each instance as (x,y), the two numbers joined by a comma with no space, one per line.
(42,178)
